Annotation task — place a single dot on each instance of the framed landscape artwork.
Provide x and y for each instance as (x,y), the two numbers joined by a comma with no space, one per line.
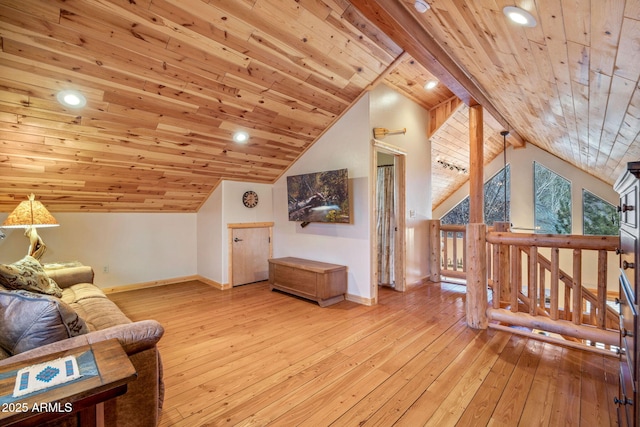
(319,197)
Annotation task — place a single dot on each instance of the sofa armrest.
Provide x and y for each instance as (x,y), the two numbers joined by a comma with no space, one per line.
(66,277)
(133,337)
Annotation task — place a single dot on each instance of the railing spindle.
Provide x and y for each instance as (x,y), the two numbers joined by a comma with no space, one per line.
(464,251)
(601,309)
(577,286)
(555,282)
(533,279)
(445,249)
(515,277)
(454,239)
(497,279)
(542,287)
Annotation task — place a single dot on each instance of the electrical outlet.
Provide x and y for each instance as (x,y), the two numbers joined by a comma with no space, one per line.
(105,269)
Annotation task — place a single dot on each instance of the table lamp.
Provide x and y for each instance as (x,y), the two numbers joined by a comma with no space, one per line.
(30,215)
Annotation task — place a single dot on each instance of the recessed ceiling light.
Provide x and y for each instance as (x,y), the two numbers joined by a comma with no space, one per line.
(431,84)
(71,99)
(421,6)
(241,137)
(520,16)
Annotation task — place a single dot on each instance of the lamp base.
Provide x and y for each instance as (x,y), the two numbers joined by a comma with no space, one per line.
(37,247)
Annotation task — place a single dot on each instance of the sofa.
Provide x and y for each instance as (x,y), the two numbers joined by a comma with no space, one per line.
(60,308)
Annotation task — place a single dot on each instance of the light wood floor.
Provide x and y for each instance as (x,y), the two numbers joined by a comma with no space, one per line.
(249,356)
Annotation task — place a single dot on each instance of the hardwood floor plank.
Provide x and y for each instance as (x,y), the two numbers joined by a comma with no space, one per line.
(510,406)
(251,357)
(412,359)
(478,411)
(539,402)
(436,359)
(593,399)
(453,406)
(439,401)
(567,405)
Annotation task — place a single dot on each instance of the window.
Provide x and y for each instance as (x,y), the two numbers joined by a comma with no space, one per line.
(552,201)
(599,217)
(494,204)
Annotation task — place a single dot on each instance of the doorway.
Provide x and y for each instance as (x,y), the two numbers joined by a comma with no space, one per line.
(250,249)
(388,221)
(386,228)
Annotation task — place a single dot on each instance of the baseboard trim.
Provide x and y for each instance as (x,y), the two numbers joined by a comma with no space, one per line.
(213,283)
(153,284)
(358,299)
(420,281)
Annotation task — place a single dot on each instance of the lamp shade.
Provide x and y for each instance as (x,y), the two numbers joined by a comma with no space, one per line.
(30,213)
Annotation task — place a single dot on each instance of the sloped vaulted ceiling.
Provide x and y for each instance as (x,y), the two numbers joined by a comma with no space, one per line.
(568,85)
(167,84)
(169,81)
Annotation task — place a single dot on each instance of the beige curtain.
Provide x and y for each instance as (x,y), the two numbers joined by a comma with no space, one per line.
(385,225)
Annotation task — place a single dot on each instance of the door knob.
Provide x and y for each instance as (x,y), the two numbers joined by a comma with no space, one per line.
(237,240)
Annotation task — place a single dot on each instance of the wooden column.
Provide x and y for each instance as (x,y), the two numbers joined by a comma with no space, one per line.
(476,303)
(434,249)
(476,166)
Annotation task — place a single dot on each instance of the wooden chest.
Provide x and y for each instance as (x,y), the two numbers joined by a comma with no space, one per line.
(314,280)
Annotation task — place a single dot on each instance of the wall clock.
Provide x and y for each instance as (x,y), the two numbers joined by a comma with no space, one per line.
(250,199)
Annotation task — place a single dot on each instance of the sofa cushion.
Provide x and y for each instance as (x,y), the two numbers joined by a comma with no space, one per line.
(76,293)
(99,313)
(29,320)
(28,274)
(66,277)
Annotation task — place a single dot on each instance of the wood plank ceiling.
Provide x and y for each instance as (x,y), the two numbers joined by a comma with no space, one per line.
(168,82)
(569,85)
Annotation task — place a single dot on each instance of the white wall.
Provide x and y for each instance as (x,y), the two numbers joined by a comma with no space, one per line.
(393,111)
(210,238)
(135,247)
(345,145)
(224,207)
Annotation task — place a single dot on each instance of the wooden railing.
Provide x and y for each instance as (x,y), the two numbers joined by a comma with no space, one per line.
(453,259)
(537,282)
(548,297)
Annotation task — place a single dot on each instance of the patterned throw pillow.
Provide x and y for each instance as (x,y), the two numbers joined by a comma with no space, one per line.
(29,320)
(29,275)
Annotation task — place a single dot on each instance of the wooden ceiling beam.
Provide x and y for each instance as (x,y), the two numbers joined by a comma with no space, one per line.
(403,28)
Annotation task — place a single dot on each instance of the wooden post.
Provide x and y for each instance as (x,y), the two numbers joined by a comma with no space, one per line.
(476,304)
(476,166)
(434,249)
(476,243)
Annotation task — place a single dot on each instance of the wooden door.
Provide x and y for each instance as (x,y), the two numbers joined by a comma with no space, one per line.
(250,252)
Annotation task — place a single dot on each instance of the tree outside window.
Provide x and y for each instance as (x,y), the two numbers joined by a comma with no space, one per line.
(494,205)
(599,217)
(552,201)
